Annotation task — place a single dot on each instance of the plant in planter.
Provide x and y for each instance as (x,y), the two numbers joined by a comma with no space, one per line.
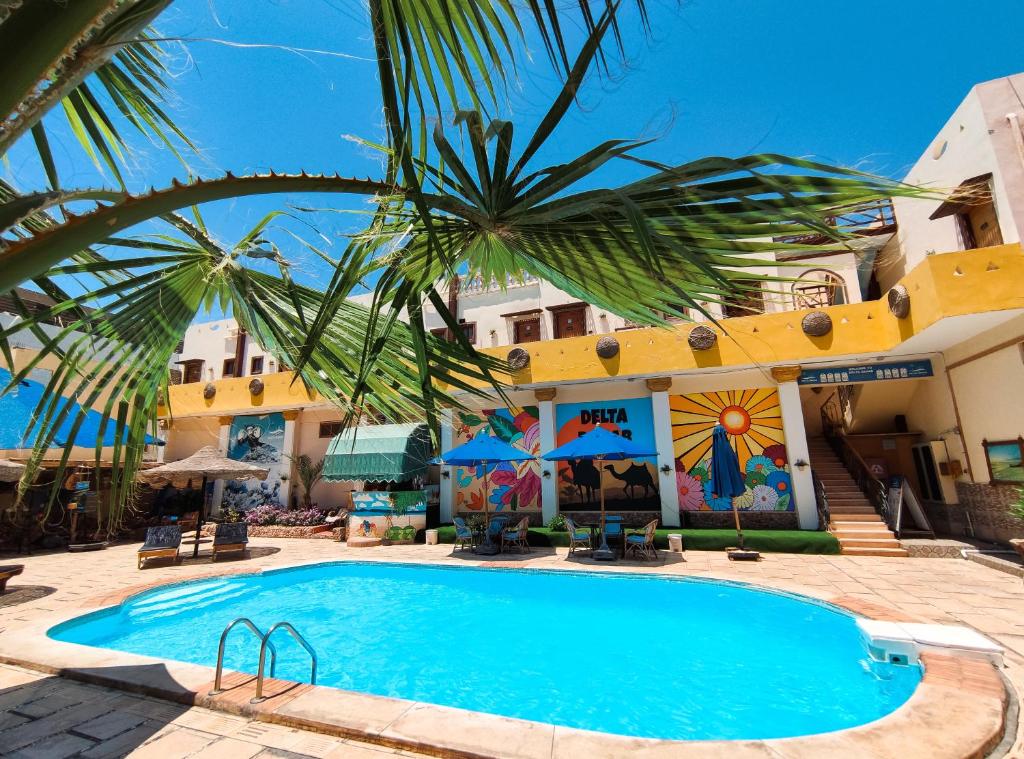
(309,475)
(557,523)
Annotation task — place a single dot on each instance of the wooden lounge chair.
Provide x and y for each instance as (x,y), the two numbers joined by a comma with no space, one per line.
(161,543)
(228,538)
(517,536)
(578,538)
(463,534)
(7,572)
(642,543)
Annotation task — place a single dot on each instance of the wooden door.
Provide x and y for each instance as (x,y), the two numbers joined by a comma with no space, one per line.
(571,322)
(527,330)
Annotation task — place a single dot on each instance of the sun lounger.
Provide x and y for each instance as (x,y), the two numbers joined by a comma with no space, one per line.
(642,543)
(517,536)
(228,538)
(7,572)
(161,543)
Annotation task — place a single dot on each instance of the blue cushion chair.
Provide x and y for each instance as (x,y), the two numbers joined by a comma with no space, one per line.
(517,536)
(578,537)
(463,534)
(642,543)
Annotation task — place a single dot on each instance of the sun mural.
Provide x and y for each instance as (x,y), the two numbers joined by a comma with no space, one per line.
(753,419)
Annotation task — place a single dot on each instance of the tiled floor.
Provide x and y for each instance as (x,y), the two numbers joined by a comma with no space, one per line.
(937,590)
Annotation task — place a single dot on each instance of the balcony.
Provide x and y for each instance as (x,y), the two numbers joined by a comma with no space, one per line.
(870,220)
(475,285)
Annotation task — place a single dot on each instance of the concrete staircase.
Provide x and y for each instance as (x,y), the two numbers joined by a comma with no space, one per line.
(854,521)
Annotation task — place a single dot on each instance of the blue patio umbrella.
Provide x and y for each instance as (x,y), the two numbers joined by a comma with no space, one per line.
(600,444)
(726,477)
(19,403)
(484,450)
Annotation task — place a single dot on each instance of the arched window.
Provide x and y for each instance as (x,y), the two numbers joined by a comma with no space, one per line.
(817,288)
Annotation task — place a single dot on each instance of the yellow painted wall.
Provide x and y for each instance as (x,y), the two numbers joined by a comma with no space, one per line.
(233,397)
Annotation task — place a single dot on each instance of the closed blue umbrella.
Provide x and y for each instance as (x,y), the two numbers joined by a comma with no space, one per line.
(19,403)
(726,477)
(600,445)
(484,450)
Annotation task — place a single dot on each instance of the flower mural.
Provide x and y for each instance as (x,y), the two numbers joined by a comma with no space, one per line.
(753,420)
(514,486)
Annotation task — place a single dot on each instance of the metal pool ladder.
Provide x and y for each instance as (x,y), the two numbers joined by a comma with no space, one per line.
(265,643)
(220,651)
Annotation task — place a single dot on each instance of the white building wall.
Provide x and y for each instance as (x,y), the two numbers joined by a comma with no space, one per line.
(215,341)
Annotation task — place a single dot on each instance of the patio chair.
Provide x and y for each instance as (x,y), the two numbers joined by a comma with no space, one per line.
(615,531)
(230,538)
(578,538)
(161,543)
(496,527)
(517,536)
(463,534)
(642,543)
(7,572)
(188,521)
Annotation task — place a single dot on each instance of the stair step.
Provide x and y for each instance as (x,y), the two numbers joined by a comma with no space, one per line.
(859,524)
(869,543)
(868,515)
(856,551)
(842,535)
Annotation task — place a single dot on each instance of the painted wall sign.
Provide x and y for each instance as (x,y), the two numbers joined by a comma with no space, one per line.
(514,485)
(836,375)
(628,485)
(753,420)
(257,440)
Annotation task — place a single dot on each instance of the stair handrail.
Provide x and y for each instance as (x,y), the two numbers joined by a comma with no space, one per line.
(287,627)
(821,499)
(875,490)
(220,650)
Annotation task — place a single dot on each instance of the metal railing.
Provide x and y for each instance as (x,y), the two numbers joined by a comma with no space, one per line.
(821,498)
(478,284)
(876,491)
(220,650)
(263,655)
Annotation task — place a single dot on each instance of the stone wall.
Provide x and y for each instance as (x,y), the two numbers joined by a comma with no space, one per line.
(749,520)
(986,508)
(322,531)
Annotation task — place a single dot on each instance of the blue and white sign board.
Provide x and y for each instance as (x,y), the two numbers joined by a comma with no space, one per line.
(841,375)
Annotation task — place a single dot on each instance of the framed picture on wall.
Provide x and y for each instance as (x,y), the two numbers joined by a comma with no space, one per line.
(1005,460)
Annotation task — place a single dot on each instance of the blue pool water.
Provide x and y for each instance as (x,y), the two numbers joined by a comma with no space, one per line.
(661,658)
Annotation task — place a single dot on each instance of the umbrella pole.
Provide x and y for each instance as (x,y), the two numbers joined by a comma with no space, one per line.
(487,508)
(604,553)
(199,518)
(739,530)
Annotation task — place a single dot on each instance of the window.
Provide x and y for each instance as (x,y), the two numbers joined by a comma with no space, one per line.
(569,320)
(440,333)
(526,330)
(747,300)
(469,330)
(330,429)
(192,370)
(229,368)
(180,347)
(818,288)
(974,212)
(256,365)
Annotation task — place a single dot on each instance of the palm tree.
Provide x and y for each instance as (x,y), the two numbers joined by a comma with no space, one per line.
(678,236)
(309,474)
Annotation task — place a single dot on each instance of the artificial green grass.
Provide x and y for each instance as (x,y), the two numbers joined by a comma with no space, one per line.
(767,541)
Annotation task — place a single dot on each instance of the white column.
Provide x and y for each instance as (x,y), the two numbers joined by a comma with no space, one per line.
(796,446)
(288,453)
(447,484)
(222,446)
(548,485)
(666,451)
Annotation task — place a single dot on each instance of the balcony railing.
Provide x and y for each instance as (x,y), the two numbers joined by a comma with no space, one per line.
(474,285)
(876,218)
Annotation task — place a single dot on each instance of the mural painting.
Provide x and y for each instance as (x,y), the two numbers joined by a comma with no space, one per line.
(753,419)
(256,440)
(396,517)
(513,485)
(628,485)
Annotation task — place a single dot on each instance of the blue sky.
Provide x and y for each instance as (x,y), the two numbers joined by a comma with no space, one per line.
(865,86)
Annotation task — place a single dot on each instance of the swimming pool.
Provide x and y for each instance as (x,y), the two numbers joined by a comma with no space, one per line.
(642,656)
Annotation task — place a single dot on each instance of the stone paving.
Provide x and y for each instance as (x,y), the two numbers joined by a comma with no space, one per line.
(62,719)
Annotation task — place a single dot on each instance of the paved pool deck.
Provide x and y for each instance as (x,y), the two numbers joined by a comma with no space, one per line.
(958,711)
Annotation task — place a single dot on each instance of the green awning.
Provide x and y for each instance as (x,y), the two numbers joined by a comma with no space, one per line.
(389,452)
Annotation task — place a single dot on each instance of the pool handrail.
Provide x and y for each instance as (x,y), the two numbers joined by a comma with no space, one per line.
(263,654)
(220,651)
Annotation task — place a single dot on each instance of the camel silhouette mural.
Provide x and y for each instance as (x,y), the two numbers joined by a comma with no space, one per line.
(635,476)
(585,478)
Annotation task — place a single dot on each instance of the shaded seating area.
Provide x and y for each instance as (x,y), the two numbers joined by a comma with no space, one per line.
(161,543)
(230,538)
(641,543)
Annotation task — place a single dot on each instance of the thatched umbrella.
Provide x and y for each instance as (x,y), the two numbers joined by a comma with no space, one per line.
(10,471)
(207,463)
